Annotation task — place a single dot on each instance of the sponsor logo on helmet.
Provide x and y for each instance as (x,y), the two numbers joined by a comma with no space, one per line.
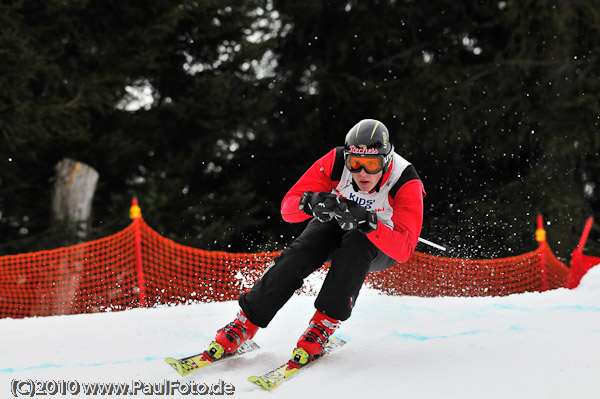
(363,150)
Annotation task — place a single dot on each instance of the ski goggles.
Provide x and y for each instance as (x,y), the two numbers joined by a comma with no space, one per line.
(371,164)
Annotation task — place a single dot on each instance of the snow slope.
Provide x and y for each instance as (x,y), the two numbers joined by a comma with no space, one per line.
(534,345)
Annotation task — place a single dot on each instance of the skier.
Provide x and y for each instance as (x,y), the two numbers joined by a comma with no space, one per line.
(365,205)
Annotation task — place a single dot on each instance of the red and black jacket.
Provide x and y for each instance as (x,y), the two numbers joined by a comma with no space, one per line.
(405,197)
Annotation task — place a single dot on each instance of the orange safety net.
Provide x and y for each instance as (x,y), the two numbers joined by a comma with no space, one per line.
(429,276)
(139,267)
(89,277)
(580,263)
(176,273)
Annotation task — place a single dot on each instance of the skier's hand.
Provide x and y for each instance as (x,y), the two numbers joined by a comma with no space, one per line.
(351,215)
(319,205)
(344,217)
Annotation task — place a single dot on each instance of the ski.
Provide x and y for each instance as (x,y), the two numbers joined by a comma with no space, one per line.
(276,377)
(186,365)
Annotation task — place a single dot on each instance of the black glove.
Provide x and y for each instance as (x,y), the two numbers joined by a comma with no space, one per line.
(350,215)
(319,205)
(344,217)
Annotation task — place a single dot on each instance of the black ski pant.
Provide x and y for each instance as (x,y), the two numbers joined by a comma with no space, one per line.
(352,257)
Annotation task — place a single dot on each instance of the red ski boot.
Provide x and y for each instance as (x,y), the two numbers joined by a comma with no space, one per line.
(232,336)
(312,342)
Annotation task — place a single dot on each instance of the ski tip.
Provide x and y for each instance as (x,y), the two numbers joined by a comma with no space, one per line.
(176,366)
(259,382)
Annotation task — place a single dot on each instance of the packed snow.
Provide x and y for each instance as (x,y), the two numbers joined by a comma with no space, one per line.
(531,345)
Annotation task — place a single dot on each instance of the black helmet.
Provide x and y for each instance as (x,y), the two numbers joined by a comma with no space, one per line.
(370,137)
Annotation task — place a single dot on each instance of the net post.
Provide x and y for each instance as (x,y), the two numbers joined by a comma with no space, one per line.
(585,234)
(540,237)
(577,267)
(135,213)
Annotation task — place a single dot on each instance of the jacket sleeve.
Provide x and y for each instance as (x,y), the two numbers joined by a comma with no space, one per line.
(400,242)
(317,178)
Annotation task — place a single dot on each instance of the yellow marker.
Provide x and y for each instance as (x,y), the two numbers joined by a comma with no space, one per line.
(135,211)
(540,235)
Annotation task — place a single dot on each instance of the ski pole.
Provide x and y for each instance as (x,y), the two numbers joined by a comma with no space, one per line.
(424,241)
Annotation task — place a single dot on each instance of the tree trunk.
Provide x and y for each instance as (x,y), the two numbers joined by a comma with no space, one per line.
(73,194)
(71,219)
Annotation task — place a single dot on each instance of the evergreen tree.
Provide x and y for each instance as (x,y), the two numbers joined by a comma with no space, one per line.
(67,69)
(494,103)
